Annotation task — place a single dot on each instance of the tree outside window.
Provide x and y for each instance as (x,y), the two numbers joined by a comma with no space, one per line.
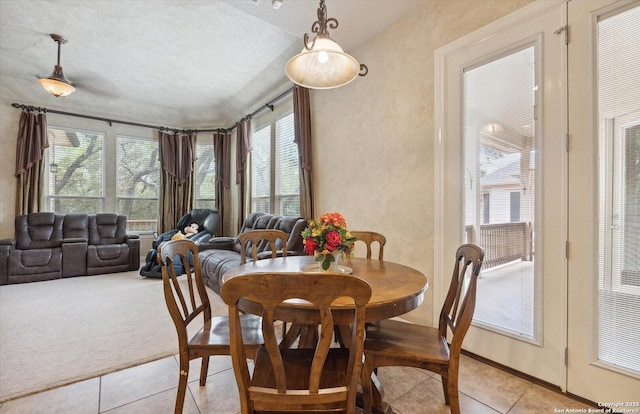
(75,172)
(205,176)
(138,182)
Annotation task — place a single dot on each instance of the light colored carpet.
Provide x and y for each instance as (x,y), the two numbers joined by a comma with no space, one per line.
(61,331)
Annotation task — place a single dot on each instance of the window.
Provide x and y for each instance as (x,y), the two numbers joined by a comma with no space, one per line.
(96,172)
(138,182)
(275,190)
(205,176)
(514,205)
(630,271)
(486,203)
(619,192)
(75,176)
(287,192)
(261,169)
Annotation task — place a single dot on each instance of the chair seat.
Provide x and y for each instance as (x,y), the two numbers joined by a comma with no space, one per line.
(218,333)
(399,340)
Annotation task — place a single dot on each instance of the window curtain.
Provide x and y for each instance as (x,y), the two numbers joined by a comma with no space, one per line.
(243,136)
(177,194)
(32,141)
(302,124)
(222,156)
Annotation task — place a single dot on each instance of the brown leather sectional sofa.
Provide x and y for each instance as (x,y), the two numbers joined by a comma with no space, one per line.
(52,246)
(220,254)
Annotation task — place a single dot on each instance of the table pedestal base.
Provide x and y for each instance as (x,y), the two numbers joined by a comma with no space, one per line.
(307,337)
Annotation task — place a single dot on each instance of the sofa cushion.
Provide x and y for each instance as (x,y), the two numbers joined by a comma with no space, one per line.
(107,228)
(107,258)
(38,231)
(293,226)
(214,263)
(76,226)
(34,265)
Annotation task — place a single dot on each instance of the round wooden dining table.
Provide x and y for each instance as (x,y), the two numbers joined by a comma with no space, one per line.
(395,289)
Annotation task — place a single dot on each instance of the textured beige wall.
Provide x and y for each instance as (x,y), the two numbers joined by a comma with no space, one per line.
(373,139)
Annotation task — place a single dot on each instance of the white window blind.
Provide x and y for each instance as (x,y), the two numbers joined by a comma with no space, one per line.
(618,294)
(205,175)
(287,171)
(75,174)
(138,181)
(275,183)
(261,169)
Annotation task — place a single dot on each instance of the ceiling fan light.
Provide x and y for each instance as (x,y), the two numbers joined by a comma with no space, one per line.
(323,66)
(56,84)
(56,87)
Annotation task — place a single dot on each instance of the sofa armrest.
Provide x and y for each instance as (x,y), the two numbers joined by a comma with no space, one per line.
(133,241)
(6,247)
(220,243)
(74,257)
(7,244)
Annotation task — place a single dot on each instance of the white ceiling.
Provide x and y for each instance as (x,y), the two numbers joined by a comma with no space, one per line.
(177,63)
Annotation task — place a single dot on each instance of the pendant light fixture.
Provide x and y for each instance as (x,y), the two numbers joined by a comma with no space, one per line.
(322,64)
(56,84)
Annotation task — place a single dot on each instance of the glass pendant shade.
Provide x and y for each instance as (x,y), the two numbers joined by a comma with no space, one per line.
(57,87)
(323,66)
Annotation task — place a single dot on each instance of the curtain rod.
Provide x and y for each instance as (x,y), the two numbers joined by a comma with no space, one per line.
(269,105)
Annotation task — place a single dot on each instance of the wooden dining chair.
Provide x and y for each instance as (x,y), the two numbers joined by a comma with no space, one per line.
(186,300)
(255,239)
(396,343)
(370,237)
(297,379)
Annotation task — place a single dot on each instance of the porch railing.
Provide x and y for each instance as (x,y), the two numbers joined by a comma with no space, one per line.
(503,243)
(142,226)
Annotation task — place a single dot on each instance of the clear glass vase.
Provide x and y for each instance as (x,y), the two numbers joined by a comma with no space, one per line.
(333,264)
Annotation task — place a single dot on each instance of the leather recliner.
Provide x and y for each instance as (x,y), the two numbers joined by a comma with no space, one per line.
(51,246)
(207,220)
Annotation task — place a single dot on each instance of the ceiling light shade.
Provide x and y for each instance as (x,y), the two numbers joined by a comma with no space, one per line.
(322,64)
(56,84)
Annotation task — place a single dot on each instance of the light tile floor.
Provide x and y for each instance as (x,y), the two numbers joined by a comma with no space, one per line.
(151,388)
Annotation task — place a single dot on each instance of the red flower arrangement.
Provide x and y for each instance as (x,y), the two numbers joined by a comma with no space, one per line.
(326,236)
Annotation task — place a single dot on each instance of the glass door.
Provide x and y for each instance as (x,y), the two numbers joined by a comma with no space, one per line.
(604,200)
(501,184)
(500,144)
